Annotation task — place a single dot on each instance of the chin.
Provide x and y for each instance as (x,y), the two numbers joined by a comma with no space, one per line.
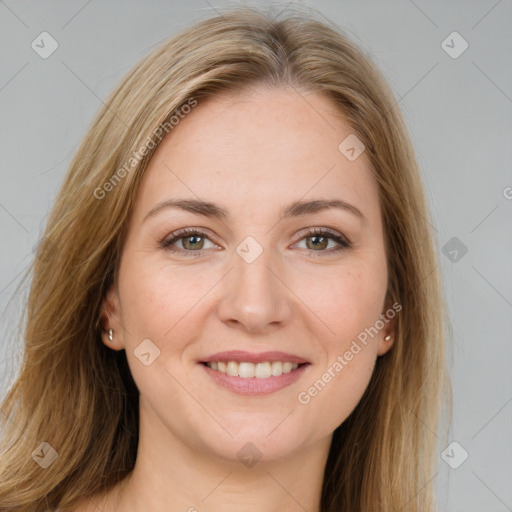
(259,442)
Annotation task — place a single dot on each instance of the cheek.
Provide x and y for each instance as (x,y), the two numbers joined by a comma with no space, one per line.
(335,393)
(335,387)
(350,304)
(161,304)
(348,299)
(158,300)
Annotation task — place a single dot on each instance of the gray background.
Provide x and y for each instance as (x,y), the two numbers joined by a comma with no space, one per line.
(458,111)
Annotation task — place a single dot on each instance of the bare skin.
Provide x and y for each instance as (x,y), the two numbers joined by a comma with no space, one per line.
(252,154)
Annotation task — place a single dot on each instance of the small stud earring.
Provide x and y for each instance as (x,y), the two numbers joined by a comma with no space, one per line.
(111,335)
(387,338)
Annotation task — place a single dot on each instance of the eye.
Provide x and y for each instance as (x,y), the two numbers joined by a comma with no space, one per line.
(319,240)
(193,240)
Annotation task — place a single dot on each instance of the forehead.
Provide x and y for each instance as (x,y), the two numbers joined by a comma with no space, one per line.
(260,148)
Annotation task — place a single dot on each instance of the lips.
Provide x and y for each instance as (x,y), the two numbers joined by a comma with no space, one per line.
(240,356)
(249,373)
(255,386)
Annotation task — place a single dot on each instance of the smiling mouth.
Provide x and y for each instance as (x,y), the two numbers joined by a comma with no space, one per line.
(247,370)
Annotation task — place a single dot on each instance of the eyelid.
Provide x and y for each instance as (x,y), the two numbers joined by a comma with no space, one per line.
(342,241)
(312,230)
(179,234)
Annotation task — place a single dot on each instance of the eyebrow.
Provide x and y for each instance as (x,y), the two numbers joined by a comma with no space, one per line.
(295,209)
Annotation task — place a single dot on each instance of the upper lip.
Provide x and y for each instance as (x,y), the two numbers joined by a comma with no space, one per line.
(250,357)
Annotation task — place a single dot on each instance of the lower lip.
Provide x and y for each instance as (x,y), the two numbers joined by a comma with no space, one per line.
(254,386)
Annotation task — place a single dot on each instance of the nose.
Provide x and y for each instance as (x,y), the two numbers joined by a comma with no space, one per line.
(255,297)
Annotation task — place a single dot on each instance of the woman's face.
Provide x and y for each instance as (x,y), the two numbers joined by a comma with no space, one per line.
(252,278)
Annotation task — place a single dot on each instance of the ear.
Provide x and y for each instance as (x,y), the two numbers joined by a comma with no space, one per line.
(387,334)
(385,344)
(111,319)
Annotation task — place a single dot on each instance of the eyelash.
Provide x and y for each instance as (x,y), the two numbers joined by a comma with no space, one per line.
(166,243)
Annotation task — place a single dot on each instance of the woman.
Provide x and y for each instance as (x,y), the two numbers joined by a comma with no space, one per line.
(236,303)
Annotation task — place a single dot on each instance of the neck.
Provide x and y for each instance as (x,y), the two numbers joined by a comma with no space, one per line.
(192,479)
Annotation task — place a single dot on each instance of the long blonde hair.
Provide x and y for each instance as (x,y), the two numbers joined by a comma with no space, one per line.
(78,396)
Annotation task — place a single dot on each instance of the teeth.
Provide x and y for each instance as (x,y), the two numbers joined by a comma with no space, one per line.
(232,369)
(250,370)
(277,368)
(263,371)
(246,370)
(287,367)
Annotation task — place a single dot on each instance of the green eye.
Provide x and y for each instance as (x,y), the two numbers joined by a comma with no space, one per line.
(193,241)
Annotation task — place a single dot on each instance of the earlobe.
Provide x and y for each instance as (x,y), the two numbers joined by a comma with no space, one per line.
(385,343)
(110,322)
(387,336)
